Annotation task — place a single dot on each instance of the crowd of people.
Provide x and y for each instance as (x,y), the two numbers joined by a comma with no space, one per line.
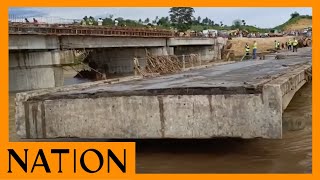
(290,45)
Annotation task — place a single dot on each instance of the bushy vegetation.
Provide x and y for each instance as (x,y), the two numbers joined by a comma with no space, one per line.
(182,19)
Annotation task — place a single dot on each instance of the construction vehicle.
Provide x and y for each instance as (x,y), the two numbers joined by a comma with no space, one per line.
(275,33)
(305,40)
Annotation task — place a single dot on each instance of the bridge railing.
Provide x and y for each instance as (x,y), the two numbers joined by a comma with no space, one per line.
(41,19)
(69,29)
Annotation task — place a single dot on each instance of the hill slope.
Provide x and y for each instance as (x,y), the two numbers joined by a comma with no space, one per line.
(297,23)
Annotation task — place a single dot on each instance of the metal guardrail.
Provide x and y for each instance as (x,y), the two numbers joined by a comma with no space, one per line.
(67,29)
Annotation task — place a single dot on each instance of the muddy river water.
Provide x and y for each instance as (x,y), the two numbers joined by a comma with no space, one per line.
(292,154)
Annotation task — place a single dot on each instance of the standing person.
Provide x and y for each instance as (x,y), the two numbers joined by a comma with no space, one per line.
(83,22)
(254,50)
(35,21)
(100,22)
(275,45)
(247,49)
(278,45)
(116,22)
(90,22)
(295,45)
(290,45)
(136,66)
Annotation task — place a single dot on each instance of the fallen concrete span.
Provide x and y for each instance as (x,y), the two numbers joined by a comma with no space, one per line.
(244,99)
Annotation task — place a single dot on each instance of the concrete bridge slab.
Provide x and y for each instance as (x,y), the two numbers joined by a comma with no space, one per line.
(235,100)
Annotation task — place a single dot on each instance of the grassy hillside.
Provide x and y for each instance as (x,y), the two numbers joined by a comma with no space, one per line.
(296,23)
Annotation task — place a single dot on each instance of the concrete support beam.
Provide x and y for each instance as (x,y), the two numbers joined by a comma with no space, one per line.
(42,42)
(195,41)
(33,42)
(108,42)
(24,59)
(190,41)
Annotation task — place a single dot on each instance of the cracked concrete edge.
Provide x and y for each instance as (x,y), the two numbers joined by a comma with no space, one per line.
(22,97)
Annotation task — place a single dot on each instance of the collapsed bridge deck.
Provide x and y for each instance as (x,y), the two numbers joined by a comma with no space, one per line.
(243,99)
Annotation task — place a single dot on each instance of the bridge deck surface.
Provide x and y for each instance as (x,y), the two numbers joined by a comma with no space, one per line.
(245,77)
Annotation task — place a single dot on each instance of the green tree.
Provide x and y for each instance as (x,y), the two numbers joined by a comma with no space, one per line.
(211,22)
(205,21)
(236,24)
(147,20)
(132,23)
(181,17)
(243,22)
(295,14)
(164,22)
(199,19)
(107,22)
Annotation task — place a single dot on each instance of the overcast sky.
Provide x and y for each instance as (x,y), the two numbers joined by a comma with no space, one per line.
(261,17)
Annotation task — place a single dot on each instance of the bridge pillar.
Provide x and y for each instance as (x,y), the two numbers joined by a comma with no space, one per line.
(29,70)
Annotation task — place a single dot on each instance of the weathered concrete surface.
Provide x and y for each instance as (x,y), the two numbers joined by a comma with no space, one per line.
(41,42)
(36,70)
(208,49)
(26,59)
(195,41)
(30,42)
(36,42)
(21,79)
(100,42)
(206,53)
(235,100)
